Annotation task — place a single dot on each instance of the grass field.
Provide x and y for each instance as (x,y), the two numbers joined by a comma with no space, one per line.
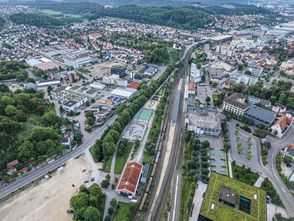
(187,185)
(123,213)
(258,205)
(148,158)
(52,12)
(107,165)
(120,161)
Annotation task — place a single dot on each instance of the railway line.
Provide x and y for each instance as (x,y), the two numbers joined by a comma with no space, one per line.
(168,157)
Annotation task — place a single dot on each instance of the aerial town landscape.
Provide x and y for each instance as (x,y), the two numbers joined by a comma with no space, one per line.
(140,110)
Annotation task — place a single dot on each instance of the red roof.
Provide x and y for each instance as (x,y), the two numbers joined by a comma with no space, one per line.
(191,86)
(134,85)
(130,178)
(23,170)
(291,147)
(283,122)
(11,164)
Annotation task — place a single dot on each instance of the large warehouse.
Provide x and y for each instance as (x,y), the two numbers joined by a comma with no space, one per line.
(123,92)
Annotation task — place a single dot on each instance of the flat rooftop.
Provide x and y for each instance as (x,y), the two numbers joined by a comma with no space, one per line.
(204,117)
(213,209)
(261,114)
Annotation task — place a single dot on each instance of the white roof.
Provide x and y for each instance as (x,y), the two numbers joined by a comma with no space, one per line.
(123,92)
(97,85)
(33,62)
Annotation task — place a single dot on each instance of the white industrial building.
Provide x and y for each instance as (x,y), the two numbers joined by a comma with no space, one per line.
(80,58)
(47,83)
(123,92)
(97,86)
(72,98)
(195,72)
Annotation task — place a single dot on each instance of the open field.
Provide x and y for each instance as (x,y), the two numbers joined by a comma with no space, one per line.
(101,69)
(120,161)
(123,213)
(49,199)
(58,13)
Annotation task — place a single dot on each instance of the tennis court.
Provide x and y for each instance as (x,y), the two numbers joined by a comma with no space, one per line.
(145,115)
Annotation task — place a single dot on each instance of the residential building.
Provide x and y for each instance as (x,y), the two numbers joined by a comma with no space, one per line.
(281,125)
(288,150)
(150,71)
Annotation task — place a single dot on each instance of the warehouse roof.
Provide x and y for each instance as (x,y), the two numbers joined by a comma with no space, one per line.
(261,114)
(123,92)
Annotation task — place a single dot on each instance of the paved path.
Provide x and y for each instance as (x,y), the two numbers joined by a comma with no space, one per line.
(197,200)
(259,181)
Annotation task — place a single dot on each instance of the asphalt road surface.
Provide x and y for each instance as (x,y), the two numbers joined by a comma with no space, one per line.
(270,171)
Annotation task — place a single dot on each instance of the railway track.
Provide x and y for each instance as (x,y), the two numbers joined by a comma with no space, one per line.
(175,161)
(155,211)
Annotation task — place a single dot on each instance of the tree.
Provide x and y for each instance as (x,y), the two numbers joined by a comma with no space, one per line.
(248,72)
(249,155)
(207,100)
(4,88)
(240,66)
(92,214)
(239,147)
(287,160)
(78,136)
(79,201)
(113,202)
(105,183)
(11,110)
(110,210)
(50,119)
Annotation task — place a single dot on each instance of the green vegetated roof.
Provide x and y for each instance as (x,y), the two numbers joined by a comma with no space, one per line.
(226,213)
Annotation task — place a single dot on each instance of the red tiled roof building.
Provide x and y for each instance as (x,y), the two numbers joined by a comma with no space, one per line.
(130,178)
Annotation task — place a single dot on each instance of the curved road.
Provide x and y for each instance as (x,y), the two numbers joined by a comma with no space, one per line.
(269,171)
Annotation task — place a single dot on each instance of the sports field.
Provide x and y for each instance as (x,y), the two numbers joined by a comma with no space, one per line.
(145,115)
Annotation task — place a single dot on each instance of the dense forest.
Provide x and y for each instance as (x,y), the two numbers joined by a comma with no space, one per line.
(13,69)
(40,20)
(29,129)
(180,17)
(186,17)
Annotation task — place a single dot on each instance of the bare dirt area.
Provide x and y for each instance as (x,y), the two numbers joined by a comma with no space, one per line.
(101,69)
(49,199)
